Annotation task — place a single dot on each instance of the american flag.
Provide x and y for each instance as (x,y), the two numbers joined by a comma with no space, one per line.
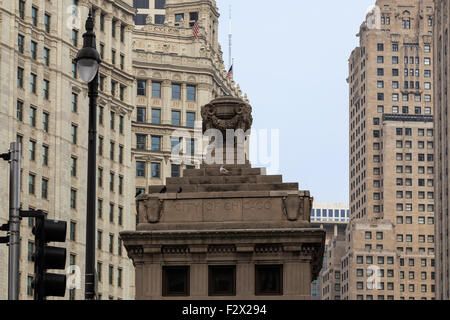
(196,30)
(230,72)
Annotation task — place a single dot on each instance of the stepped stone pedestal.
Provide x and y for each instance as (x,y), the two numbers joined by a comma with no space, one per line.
(225,231)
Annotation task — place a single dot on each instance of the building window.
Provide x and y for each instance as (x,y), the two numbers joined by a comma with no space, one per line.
(190,119)
(99,239)
(140,169)
(175,170)
(120,221)
(141,114)
(111,274)
(46,89)
(190,93)
(47,20)
(268,280)
(31,183)
(176,91)
(20,43)
(111,243)
(156,143)
(34,16)
(73,166)
(156,116)
(74,37)
(73,228)
(176,118)
(19,77)
(19,111)
(222,281)
(33,49)
(141,141)
(22,9)
(74,134)
(141,87)
(175,281)
(44,188)
(74,102)
(156,170)
(156,90)
(33,79)
(46,56)
(45,155)
(99,208)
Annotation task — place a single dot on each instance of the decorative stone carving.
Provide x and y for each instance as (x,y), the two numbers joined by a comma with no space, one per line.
(149,19)
(291,208)
(150,210)
(296,207)
(227,113)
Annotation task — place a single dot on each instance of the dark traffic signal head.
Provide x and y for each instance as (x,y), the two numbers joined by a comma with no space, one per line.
(47,257)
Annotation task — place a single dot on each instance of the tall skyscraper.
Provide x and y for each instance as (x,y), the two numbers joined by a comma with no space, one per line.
(441,69)
(177,73)
(45,107)
(390,239)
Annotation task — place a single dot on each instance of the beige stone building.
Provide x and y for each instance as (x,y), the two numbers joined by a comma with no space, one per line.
(176,74)
(390,238)
(441,65)
(333,218)
(44,106)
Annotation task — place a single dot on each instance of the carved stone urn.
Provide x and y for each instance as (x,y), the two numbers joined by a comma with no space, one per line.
(227,113)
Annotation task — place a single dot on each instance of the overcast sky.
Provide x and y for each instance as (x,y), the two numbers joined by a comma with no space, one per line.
(291,59)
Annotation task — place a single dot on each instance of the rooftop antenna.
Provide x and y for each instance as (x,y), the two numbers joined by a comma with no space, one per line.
(230,42)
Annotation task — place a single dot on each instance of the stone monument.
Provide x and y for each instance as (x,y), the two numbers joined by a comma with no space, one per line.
(225,231)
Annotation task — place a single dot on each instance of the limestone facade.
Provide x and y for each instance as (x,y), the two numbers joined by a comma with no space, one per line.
(441,122)
(392,156)
(44,106)
(176,74)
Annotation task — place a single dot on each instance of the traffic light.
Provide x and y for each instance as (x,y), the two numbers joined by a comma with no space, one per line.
(47,257)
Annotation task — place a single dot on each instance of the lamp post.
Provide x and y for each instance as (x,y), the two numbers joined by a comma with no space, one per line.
(88,61)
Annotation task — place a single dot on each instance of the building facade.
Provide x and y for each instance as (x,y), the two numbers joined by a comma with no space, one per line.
(441,123)
(45,108)
(333,218)
(390,238)
(149,11)
(176,74)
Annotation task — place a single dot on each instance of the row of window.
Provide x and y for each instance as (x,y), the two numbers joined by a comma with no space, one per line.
(33,83)
(35,14)
(222,281)
(33,49)
(156,170)
(395,47)
(112,148)
(407,60)
(111,212)
(111,243)
(420,238)
(112,176)
(110,274)
(176,90)
(141,117)
(405,97)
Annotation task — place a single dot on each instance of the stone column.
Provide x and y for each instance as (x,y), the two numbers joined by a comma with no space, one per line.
(166,107)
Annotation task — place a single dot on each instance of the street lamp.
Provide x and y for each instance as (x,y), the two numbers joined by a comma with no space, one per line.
(88,61)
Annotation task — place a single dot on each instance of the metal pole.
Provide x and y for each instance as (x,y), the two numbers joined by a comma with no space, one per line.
(14,221)
(91,191)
